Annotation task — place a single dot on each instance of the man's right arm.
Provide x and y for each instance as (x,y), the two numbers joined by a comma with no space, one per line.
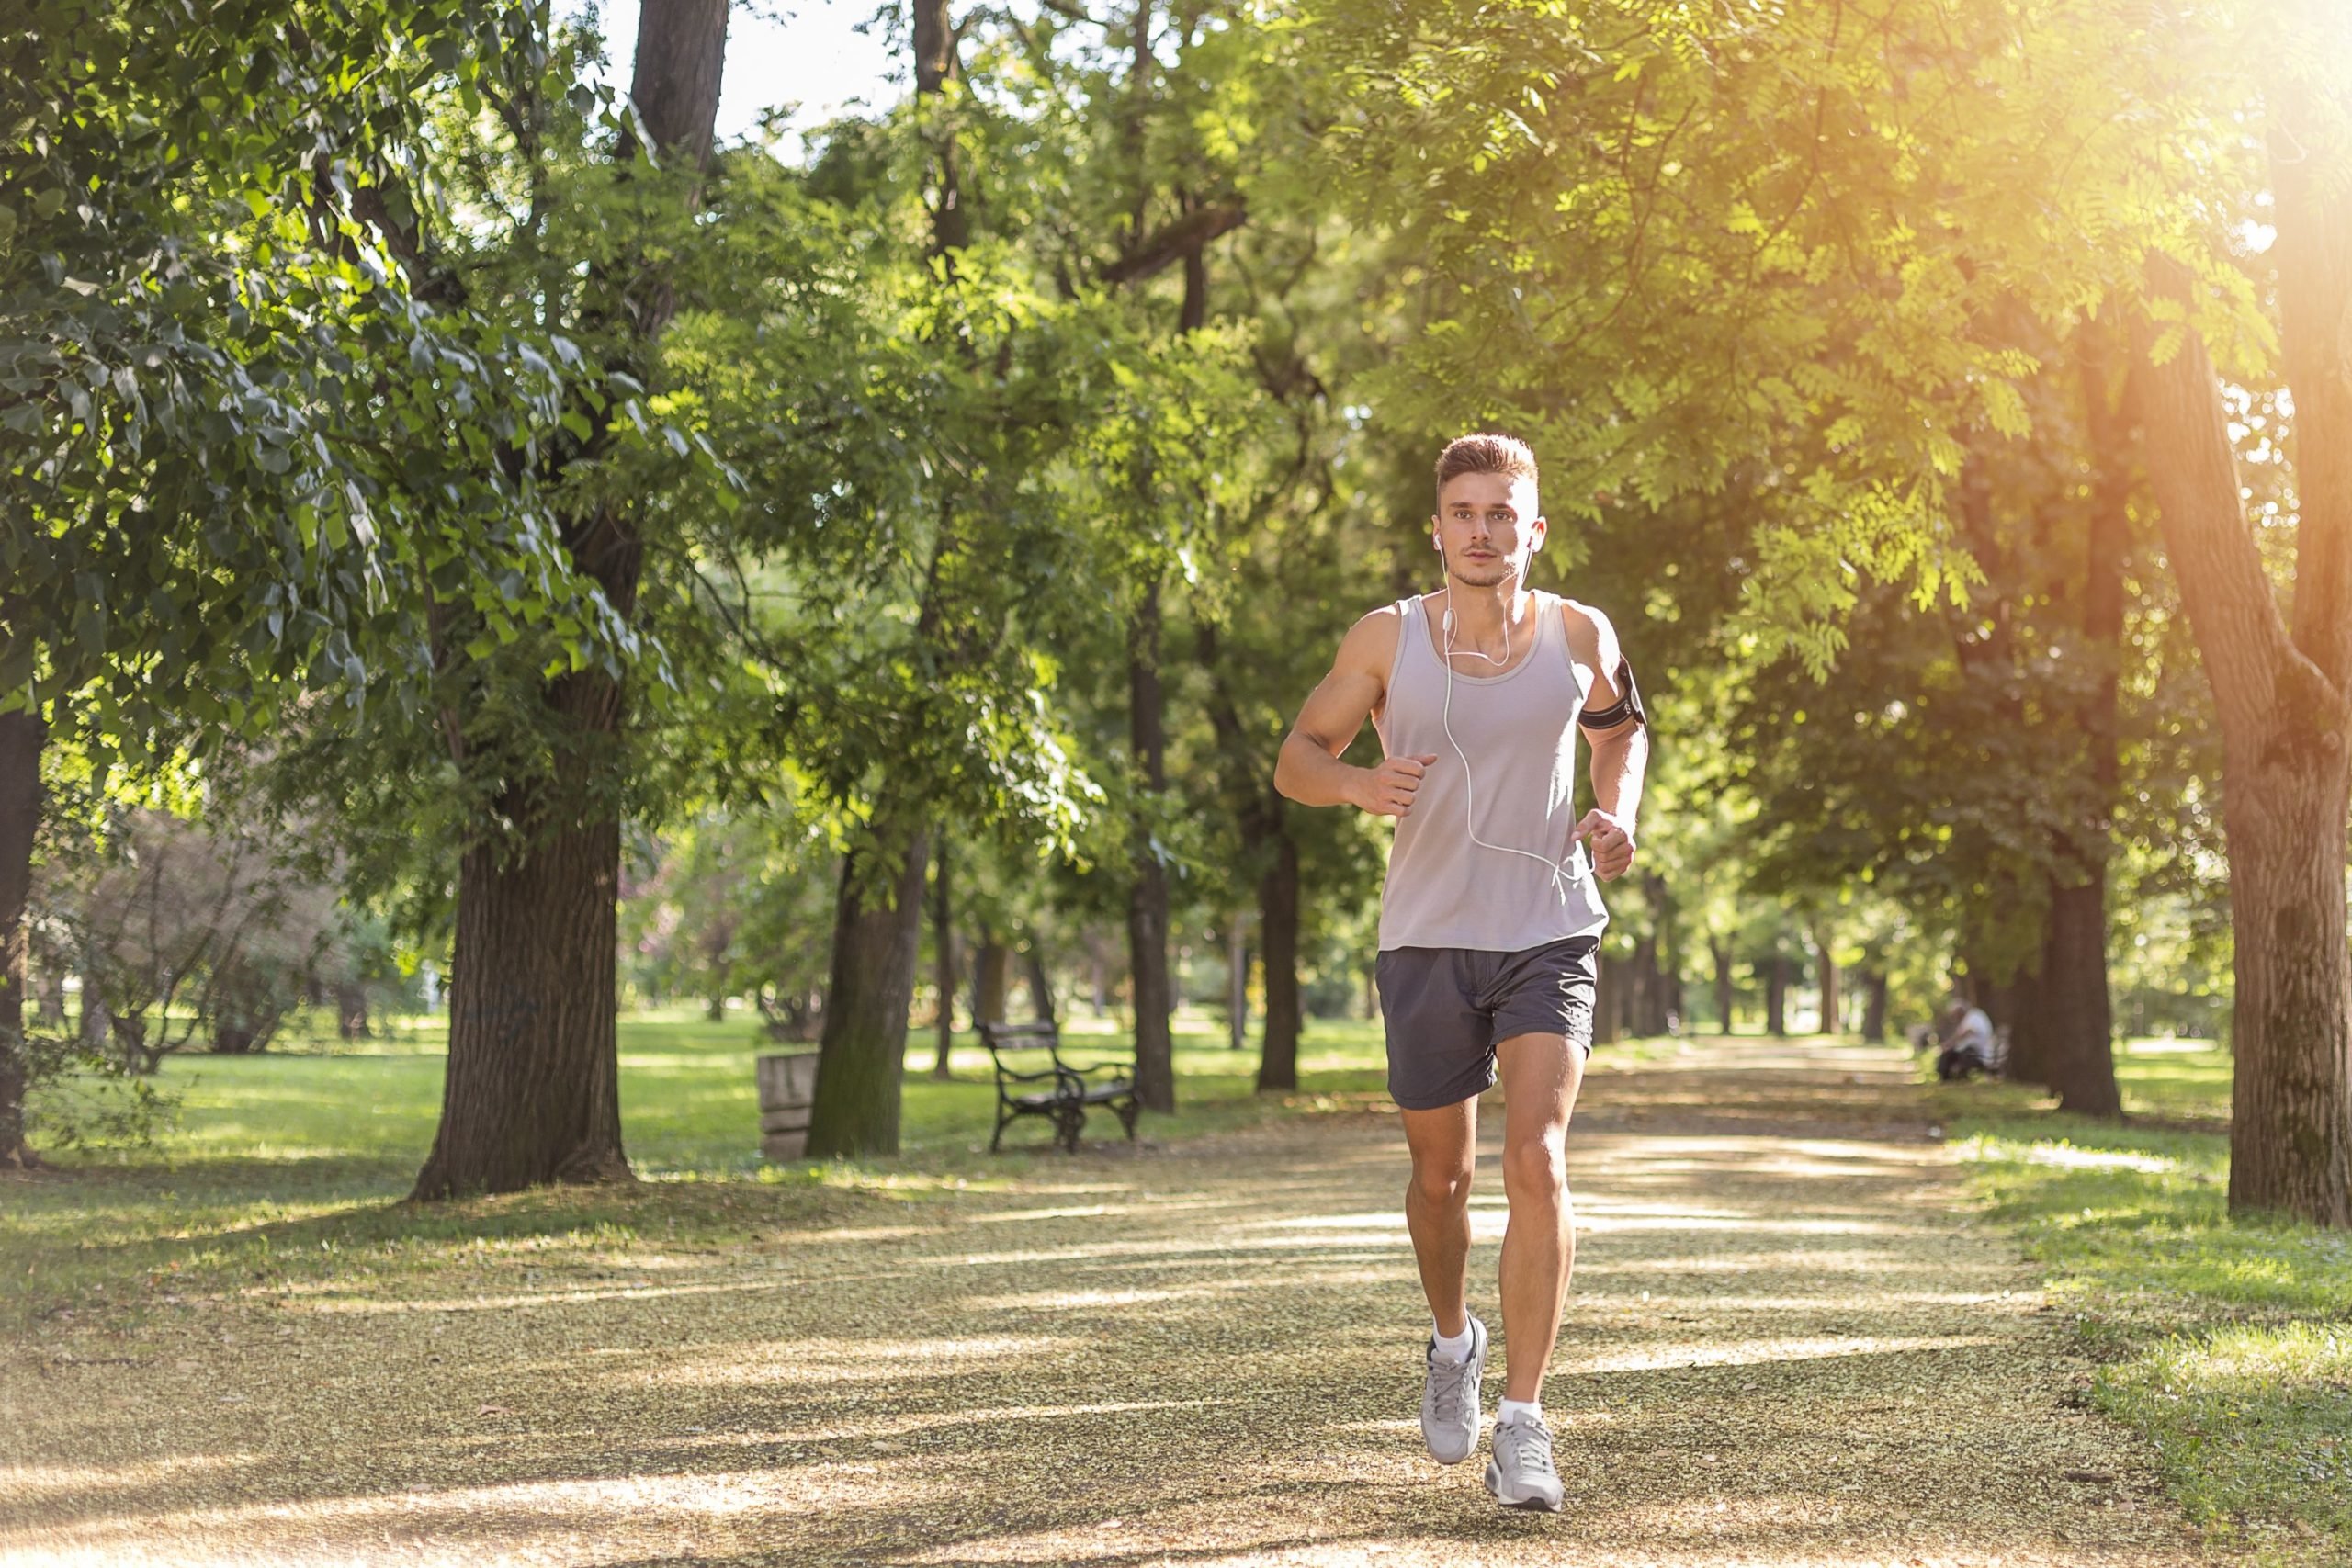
(1308,770)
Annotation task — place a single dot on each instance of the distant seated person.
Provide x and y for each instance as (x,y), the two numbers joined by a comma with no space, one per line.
(1968,1042)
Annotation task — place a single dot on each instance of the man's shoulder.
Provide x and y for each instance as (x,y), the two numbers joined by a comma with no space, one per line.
(1591,636)
(1371,643)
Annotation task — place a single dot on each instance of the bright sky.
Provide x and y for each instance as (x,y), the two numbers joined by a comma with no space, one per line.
(806,54)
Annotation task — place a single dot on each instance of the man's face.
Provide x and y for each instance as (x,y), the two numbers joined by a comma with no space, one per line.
(1489,525)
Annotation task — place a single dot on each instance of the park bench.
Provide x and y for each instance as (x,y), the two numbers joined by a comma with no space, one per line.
(1063,1089)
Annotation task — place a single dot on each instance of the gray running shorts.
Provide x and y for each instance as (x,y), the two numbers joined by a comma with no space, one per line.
(1445,1008)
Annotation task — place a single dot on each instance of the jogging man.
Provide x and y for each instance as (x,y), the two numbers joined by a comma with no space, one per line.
(1489,920)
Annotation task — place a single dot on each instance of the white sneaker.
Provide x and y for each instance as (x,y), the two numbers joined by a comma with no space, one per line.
(1520,1475)
(1450,1415)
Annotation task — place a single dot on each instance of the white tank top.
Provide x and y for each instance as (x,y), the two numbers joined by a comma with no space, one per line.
(1518,729)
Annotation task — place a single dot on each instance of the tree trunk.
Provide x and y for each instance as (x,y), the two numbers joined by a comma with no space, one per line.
(1237,985)
(942,957)
(351,1012)
(2290,1150)
(1041,986)
(991,980)
(22,737)
(50,990)
(1776,995)
(2281,698)
(1278,938)
(2078,1034)
(1875,1006)
(1828,966)
(1608,990)
(532,1093)
(2021,1011)
(1724,988)
(1646,1014)
(2070,1032)
(92,1026)
(878,937)
(1148,897)
(936,64)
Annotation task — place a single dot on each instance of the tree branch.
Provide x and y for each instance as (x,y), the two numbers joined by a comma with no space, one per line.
(1155,251)
(2193,472)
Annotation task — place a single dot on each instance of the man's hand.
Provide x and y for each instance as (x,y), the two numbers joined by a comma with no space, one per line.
(1612,843)
(1387,790)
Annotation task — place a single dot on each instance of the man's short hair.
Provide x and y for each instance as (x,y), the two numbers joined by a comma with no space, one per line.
(1485,453)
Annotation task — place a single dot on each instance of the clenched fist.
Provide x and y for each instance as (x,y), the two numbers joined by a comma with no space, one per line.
(1612,843)
(1387,790)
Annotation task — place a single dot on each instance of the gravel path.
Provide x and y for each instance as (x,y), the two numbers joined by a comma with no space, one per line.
(1790,1343)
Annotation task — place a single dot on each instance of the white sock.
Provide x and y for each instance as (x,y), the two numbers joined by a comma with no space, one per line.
(1456,1351)
(1520,1410)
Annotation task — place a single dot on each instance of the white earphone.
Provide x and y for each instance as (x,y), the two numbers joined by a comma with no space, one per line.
(1561,874)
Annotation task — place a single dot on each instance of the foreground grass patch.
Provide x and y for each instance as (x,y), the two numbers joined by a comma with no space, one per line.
(2242,1416)
(285,1170)
(2224,1342)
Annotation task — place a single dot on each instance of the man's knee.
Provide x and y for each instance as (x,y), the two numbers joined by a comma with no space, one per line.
(1535,1169)
(1442,1184)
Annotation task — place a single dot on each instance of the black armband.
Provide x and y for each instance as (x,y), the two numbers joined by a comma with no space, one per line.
(1628,705)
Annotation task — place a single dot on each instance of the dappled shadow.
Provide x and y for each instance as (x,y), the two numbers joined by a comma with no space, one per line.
(1785,1346)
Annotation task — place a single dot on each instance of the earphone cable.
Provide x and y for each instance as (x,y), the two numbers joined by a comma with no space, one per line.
(1469,783)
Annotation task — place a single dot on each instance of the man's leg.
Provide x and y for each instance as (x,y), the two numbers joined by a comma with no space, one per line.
(1437,1207)
(1541,1075)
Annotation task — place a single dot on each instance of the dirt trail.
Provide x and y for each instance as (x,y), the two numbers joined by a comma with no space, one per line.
(1790,1343)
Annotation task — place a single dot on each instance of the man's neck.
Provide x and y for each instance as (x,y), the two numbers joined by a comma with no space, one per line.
(1482,612)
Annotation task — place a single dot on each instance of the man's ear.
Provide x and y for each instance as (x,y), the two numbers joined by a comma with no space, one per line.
(1541,531)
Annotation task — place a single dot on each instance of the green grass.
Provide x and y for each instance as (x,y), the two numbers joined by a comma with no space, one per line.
(291,1166)
(2225,1342)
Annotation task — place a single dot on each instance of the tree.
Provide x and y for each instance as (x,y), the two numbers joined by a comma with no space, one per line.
(2282,687)
(532,1090)
(222,418)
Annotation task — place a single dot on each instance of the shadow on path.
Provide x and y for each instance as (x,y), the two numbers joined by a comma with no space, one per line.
(1790,1344)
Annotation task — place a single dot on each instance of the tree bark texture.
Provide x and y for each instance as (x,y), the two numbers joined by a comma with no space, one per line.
(2281,698)
(2078,1034)
(1041,984)
(1608,997)
(1776,995)
(1237,985)
(532,1093)
(991,980)
(1278,940)
(936,65)
(1828,975)
(2021,1013)
(877,937)
(1724,988)
(942,957)
(1875,1006)
(22,737)
(1147,895)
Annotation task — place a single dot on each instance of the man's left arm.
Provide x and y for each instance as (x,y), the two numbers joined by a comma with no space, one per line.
(1620,740)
